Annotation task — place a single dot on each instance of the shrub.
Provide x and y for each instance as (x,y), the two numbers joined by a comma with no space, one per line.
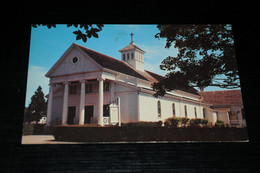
(159,124)
(184,121)
(195,122)
(204,122)
(172,122)
(28,129)
(167,124)
(33,129)
(219,124)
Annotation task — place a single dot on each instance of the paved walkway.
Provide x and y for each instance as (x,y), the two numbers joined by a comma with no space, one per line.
(43,139)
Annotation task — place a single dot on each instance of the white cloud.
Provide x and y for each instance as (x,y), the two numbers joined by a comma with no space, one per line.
(37,68)
(158,52)
(36,78)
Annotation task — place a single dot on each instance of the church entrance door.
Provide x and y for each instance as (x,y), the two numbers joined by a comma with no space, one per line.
(88,114)
(71,114)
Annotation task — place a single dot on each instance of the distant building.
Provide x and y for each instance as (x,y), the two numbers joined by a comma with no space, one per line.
(85,85)
(227,104)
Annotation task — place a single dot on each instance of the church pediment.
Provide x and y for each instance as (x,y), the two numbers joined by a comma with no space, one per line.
(73,61)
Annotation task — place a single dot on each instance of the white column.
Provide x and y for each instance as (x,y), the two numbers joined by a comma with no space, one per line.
(65,104)
(119,111)
(49,109)
(82,103)
(100,102)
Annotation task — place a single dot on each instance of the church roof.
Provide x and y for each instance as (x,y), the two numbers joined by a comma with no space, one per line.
(222,99)
(111,63)
(123,67)
(131,46)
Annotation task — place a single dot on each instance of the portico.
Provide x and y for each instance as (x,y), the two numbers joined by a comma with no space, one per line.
(70,90)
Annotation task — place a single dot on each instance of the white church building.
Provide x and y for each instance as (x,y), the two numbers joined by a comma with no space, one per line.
(88,87)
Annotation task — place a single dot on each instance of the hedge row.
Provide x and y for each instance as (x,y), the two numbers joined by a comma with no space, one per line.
(174,122)
(134,134)
(186,122)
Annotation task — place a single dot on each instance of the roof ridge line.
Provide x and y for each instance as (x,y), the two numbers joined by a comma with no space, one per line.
(98,52)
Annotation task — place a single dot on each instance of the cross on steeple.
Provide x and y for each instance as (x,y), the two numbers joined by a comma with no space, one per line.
(131,38)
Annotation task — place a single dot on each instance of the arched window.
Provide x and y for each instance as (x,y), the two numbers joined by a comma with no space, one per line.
(173,110)
(132,55)
(195,112)
(185,111)
(159,108)
(204,113)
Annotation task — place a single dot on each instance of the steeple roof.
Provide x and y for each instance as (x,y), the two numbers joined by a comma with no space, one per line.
(131,46)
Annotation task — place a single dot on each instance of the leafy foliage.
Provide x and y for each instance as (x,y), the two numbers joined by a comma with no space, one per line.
(206,57)
(37,108)
(219,123)
(172,122)
(84,32)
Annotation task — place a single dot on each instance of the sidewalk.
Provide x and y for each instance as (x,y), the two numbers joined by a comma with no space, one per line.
(43,139)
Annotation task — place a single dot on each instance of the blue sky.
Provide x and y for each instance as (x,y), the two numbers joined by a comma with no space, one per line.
(48,45)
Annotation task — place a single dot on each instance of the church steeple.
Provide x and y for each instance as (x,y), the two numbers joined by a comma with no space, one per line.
(133,55)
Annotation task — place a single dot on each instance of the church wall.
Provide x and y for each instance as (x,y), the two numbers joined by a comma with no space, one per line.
(128,107)
(149,110)
(190,109)
(223,116)
(139,65)
(211,116)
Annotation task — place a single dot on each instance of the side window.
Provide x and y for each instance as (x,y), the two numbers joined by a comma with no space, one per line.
(204,113)
(106,86)
(123,57)
(159,108)
(106,110)
(185,110)
(88,88)
(195,112)
(128,56)
(132,55)
(73,89)
(173,110)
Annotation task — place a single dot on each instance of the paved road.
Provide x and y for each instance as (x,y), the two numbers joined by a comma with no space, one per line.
(42,139)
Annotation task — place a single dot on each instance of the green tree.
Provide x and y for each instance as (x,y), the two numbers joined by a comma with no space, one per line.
(206,57)
(84,32)
(37,108)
